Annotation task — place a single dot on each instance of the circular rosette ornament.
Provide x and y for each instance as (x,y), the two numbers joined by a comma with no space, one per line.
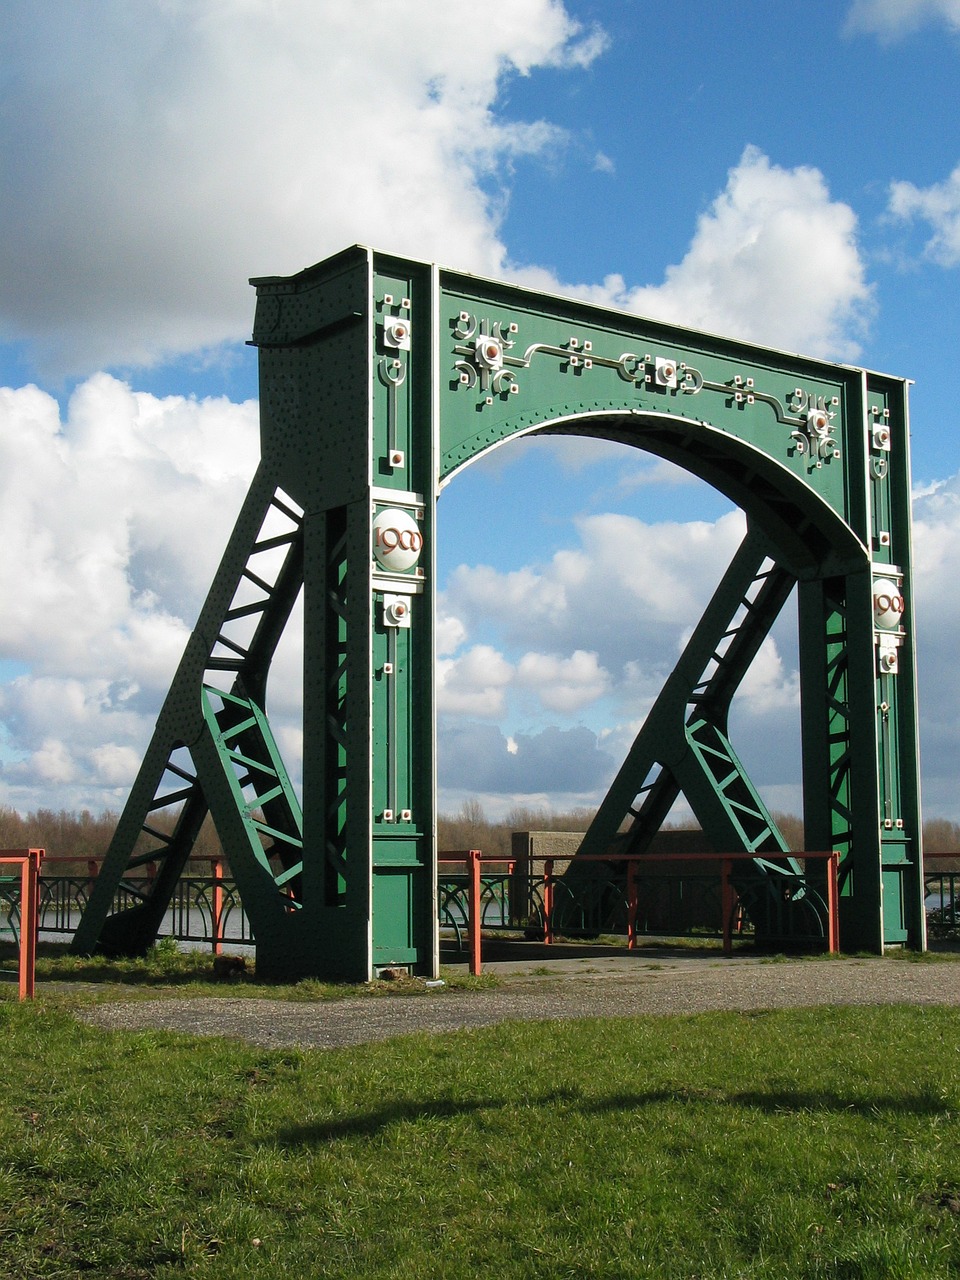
(397,540)
(887,605)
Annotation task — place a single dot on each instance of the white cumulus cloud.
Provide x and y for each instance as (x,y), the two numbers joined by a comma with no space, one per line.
(627,588)
(891,19)
(113,518)
(774,260)
(593,632)
(475,683)
(563,684)
(163,152)
(939,206)
(936,536)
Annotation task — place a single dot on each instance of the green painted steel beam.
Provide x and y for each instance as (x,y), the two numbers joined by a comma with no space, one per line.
(674,744)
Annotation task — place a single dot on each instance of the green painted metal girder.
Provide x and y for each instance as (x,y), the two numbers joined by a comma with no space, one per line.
(257,780)
(381,378)
(182,776)
(683,745)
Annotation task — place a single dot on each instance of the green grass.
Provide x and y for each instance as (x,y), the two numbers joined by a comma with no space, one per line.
(820,1143)
(166,970)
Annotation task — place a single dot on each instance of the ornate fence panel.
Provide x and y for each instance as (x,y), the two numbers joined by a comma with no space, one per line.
(202,908)
(941,891)
(706,897)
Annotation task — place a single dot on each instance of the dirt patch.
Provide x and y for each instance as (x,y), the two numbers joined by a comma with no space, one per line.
(625,986)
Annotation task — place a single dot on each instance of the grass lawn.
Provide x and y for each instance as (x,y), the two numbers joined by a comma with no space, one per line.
(166,971)
(820,1143)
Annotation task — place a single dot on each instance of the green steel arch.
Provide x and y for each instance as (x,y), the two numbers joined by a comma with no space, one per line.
(809,533)
(380,379)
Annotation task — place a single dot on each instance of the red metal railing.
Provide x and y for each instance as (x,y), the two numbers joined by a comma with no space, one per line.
(28,861)
(479,901)
(729,896)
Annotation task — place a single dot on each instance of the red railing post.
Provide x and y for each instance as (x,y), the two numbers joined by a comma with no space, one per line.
(473,924)
(216,867)
(28,860)
(631,906)
(833,903)
(29,921)
(548,901)
(728,901)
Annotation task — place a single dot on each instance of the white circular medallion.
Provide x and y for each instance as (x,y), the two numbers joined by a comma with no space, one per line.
(397,540)
(887,604)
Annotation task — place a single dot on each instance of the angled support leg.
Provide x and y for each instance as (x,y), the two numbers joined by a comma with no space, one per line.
(183,772)
(683,745)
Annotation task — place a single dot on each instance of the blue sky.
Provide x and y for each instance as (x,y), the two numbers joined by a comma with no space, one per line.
(779,172)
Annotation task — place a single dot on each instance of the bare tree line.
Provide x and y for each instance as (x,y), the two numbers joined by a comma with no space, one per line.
(86,835)
(470,829)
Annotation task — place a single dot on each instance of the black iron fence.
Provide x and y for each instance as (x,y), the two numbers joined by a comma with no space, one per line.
(941,894)
(205,907)
(682,895)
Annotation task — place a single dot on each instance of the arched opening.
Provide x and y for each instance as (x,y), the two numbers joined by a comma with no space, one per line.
(571,572)
(790,534)
(812,540)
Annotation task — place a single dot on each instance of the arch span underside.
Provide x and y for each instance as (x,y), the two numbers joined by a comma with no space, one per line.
(811,540)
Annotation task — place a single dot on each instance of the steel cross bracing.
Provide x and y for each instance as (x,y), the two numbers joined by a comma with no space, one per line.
(683,745)
(211,744)
(831,780)
(263,799)
(335,735)
(838,718)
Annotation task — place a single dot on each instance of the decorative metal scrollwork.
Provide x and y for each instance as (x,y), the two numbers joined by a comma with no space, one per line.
(488,361)
(816,435)
(392,371)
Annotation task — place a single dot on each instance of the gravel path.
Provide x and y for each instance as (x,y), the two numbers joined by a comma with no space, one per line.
(618,987)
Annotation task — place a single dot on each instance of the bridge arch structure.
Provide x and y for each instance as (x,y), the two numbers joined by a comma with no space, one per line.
(380,379)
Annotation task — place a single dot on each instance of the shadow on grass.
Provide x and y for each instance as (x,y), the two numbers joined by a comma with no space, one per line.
(373,1122)
(161,966)
(783,1101)
(107,971)
(405,1111)
(771,1102)
(166,966)
(498,949)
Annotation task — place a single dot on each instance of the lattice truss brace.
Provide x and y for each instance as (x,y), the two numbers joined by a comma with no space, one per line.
(217,751)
